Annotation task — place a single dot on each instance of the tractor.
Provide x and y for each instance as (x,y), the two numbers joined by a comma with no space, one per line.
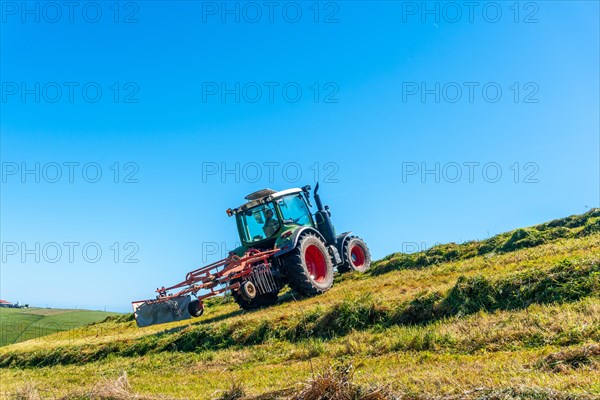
(282,243)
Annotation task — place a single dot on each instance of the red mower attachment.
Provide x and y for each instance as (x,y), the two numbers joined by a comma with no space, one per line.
(204,282)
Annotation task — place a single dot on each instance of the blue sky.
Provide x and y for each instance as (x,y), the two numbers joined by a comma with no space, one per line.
(189,91)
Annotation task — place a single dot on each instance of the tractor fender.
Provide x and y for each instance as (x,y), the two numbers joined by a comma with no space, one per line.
(293,240)
(341,241)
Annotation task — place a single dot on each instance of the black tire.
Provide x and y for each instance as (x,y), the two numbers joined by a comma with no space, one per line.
(309,267)
(355,256)
(195,308)
(261,300)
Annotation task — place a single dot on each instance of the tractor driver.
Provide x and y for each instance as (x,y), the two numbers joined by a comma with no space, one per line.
(271,224)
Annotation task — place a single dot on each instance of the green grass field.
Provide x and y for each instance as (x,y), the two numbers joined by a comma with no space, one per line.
(21,324)
(516,316)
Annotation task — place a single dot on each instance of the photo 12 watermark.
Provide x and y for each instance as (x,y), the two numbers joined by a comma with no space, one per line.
(454,12)
(71,12)
(470,92)
(214,251)
(69,92)
(271,12)
(70,252)
(69,172)
(270,172)
(270,92)
(470,172)
(416,247)
(13,329)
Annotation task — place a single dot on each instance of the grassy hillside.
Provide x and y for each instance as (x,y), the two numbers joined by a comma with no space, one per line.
(513,316)
(21,324)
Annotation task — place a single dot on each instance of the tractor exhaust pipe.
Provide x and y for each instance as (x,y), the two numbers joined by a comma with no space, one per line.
(323,217)
(317,197)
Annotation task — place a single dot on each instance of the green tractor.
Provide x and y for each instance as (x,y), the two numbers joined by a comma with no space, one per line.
(283,243)
(308,247)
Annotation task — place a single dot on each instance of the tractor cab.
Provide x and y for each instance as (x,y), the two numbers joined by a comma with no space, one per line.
(269,214)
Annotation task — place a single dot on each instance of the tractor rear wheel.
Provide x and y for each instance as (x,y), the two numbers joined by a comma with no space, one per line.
(309,267)
(260,300)
(355,256)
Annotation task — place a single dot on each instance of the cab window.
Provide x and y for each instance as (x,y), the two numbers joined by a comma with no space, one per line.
(259,223)
(294,210)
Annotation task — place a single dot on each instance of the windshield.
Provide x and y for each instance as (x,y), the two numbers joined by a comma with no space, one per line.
(259,223)
(293,210)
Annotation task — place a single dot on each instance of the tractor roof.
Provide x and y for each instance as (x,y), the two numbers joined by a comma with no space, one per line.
(259,194)
(263,196)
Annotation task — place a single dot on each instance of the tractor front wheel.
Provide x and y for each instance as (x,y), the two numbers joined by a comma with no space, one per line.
(355,256)
(259,300)
(309,267)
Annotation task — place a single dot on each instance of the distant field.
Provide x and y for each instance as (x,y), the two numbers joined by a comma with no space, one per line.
(20,324)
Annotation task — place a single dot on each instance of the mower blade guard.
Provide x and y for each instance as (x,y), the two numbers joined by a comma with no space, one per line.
(153,312)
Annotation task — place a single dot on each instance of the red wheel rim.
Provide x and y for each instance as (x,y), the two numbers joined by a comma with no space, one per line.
(315,261)
(357,257)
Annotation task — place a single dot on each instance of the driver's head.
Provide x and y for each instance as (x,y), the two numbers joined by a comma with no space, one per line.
(269,213)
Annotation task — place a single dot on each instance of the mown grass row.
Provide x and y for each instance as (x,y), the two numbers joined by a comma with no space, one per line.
(565,282)
(575,226)
(555,325)
(337,382)
(568,281)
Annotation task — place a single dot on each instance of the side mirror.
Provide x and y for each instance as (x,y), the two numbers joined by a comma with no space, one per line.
(306,193)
